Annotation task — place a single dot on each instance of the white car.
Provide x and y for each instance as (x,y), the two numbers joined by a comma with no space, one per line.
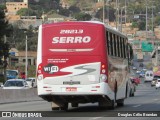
(134,68)
(148,76)
(138,71)
(31,81)
(15,84)
(157,84)
(144,69)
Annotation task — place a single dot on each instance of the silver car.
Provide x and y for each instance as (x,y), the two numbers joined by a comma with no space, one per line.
(15,84)
(31,81)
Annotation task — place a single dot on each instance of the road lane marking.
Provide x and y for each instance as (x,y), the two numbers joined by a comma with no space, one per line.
(95,118)
(155,99)
(136,105)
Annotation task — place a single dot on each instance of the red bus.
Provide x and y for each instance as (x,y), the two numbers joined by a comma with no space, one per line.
(82,62)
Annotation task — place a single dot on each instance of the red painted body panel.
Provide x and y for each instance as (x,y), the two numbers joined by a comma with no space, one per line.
(72,43)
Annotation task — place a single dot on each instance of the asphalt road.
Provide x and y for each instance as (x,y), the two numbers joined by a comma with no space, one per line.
(146,99)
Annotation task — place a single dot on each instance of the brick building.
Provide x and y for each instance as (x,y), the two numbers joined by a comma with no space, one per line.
(13,7)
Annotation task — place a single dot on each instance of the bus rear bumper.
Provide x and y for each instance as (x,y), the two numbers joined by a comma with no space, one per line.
(82,93)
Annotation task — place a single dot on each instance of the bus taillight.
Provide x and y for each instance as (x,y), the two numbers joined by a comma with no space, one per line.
(103,77)
(39,69)
(39,72)
(103,69)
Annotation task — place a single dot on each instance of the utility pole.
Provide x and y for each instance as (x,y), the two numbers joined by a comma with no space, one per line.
(125,10)
(152,24)
(121,20)
(157,56)
(26,65)
(146,20)
(5,60)
(116,13)
(103,11)
(108,12)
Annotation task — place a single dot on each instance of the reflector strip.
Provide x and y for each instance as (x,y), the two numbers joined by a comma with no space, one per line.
(71,50)
(93,90)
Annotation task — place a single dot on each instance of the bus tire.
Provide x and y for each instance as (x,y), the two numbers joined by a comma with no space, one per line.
(64,107)
(112,105)
(103,104)
(120,102)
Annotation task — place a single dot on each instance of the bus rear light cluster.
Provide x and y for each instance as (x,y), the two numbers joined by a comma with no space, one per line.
(103,69)
(103,78)
(39,70)
(40,77)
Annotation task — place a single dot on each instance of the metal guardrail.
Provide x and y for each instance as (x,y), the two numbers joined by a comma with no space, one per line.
(10,95)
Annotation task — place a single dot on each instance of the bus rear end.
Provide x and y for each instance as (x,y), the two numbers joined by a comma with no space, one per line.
(72,62)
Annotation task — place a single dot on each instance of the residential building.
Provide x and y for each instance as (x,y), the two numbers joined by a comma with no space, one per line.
(18,58)
(13,7)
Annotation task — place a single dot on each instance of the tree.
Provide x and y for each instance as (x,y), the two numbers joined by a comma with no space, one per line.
(83,17)
(111,12)
(5,29)
(157,20)
(142,25)
(74,9)
(26,12)
(134,25)
(64,12)
(3,24)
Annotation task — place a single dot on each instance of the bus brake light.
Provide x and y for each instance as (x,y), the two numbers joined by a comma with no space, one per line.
(103,69)
(39,71)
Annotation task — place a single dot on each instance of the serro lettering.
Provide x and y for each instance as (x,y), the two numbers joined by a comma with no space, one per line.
(85,39)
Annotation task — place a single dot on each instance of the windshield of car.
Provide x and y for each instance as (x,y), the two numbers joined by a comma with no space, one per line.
(14,83)
(149,74)
(28,79)
(156,77)
(11,73)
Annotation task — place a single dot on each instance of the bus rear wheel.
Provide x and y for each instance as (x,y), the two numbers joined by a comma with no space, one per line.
(112,105)
(107,105)
(64,107)
(120,102)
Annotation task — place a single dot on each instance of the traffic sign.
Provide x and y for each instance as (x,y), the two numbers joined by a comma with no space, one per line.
(147,47)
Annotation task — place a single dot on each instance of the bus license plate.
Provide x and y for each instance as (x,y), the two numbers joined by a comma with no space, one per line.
(71,89)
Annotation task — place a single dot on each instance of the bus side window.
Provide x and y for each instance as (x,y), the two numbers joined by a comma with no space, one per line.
(124,49)
(108,42)
(111,43)
(115,45)
(121,47)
